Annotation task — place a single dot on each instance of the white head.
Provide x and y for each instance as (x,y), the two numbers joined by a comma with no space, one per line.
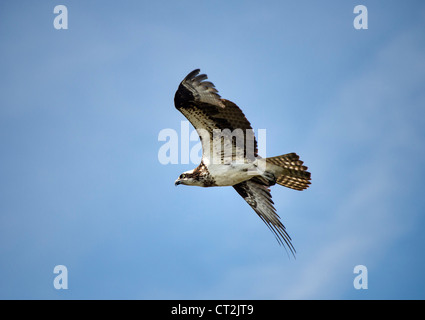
(190,179)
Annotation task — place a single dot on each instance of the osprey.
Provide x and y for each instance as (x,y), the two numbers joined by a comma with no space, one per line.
(229,153)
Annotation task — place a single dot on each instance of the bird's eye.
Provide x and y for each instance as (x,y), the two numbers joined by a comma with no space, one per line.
(182,176)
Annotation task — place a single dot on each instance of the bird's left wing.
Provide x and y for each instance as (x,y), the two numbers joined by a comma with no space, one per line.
(201,104)
(258,196)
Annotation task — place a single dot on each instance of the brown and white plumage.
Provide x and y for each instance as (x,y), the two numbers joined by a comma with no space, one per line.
(228,162)
(258,196)
(201,104)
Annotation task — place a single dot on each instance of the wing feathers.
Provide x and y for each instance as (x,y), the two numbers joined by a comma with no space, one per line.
(201,91)
(201,104)
(259,198)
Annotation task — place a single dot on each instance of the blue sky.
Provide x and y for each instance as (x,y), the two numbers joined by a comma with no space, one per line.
(80,180)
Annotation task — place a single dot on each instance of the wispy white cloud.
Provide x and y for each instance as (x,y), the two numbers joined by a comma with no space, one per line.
(377,142)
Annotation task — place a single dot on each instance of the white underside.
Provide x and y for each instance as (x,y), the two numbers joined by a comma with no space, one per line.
(233,173)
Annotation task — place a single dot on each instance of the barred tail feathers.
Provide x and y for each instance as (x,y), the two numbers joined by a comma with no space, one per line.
(294,174)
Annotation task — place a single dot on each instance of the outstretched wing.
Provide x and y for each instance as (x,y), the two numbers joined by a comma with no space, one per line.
(224,131)
(259,198)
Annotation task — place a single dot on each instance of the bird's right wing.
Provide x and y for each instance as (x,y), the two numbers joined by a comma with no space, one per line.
(258,196)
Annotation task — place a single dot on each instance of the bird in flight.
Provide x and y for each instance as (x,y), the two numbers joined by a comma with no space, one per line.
(229,153)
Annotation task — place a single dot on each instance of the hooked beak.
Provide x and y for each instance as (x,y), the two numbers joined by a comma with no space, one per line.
(177,182)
